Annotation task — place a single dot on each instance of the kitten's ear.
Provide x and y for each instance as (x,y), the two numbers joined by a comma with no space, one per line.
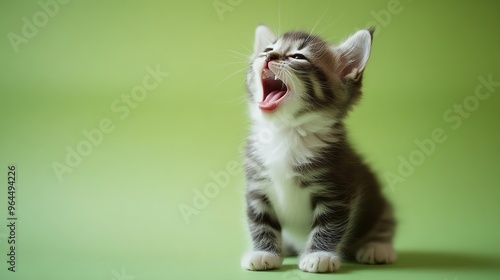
(353,54)
(263,37)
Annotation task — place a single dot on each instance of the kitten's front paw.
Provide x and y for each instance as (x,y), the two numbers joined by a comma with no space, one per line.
(376,253)
(319,262)
(261,260)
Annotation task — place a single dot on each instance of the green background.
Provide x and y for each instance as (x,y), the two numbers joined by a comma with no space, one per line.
(117,215)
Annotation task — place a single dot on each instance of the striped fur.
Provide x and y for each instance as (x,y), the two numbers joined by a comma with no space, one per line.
(308,192)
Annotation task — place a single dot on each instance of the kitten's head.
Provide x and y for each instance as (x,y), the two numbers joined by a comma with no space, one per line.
(298,73)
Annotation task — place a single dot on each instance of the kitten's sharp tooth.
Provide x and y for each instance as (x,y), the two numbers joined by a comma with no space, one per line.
(275,78)
(267,74)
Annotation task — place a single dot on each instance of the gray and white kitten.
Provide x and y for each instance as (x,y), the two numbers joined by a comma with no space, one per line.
(308,192)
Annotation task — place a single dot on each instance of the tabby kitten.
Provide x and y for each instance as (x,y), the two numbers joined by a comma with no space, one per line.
(308,192)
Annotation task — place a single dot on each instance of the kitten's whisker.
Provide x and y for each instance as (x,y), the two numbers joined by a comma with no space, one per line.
(230,63)
(230,75)
(328,26)
(236,100)
(316,24)
(249,52)
(239,55)
(279,16)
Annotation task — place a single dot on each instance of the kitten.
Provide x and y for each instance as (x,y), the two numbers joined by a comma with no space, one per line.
(308,192)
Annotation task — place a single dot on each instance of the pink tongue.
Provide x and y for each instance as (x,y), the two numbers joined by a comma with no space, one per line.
(270,102)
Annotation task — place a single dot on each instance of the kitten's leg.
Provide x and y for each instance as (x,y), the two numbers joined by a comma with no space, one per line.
(265,231)
(329,226)
(378,249)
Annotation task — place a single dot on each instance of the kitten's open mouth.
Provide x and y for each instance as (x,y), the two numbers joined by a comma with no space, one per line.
(274,90)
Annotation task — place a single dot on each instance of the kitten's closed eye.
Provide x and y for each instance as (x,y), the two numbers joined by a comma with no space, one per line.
(268,50)
(298,56)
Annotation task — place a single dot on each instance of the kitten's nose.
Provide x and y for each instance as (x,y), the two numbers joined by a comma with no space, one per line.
(272,56)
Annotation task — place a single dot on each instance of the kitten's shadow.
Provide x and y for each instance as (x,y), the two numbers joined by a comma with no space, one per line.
(437,260)
(415,260)
(434,261)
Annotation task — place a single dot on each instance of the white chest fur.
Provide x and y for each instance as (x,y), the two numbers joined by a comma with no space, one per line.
(280,150)
(292,205)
